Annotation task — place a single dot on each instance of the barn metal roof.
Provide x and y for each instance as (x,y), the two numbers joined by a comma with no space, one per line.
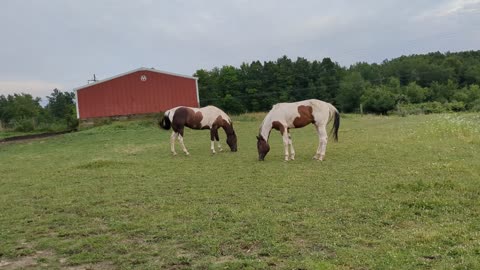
(132,71)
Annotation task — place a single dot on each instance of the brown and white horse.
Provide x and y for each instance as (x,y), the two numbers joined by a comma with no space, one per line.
(284,116)
(208,117)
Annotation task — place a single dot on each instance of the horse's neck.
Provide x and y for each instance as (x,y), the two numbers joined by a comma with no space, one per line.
(266,128)
(228,128)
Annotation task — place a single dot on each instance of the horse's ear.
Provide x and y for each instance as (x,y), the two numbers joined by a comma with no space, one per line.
(258,137)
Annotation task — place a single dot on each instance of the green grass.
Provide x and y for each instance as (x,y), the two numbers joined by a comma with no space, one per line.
(394,193)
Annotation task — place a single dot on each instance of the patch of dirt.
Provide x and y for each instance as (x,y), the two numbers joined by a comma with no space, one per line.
(315,247)
(96,266)
(431,257)
(25,262)
(33,136)
(251,248)
(34,261)
(224,259)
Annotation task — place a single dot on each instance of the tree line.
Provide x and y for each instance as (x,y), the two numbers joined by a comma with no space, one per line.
(23,112)
(429,83)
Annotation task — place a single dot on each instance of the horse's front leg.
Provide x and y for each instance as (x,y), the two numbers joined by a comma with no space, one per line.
(172,142)
(218,141)
(212,140)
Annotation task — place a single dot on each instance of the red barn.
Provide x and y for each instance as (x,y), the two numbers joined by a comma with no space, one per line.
(140,91)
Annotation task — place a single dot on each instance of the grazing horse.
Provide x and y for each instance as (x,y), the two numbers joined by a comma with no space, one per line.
(284,116)
(208,117)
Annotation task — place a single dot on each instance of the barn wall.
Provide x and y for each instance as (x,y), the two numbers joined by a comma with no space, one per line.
(128,94)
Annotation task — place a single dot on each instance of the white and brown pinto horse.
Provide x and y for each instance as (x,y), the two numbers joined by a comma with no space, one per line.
(208,117)
(284,116)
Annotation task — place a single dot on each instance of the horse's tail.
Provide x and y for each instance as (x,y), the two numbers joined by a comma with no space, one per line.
(336,122)
(165,122)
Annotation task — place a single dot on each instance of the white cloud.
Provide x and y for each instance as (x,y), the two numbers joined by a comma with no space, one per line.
(450,8)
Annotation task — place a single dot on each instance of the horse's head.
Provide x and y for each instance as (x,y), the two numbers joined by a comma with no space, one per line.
(231,136)
(232,141)
(263,147)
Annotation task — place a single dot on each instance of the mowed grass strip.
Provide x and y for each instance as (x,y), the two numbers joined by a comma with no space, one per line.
(398,193)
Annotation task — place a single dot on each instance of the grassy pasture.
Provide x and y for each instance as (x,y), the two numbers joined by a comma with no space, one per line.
(394,193)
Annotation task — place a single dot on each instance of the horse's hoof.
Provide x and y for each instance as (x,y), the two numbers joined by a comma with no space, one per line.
(220,150)
(315,157)
(292,158)
(174,154)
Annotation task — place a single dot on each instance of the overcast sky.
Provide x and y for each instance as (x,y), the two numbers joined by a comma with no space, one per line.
(62,43)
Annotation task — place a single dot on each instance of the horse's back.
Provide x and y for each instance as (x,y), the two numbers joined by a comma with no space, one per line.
(217,111)
(286,112)
(292,107)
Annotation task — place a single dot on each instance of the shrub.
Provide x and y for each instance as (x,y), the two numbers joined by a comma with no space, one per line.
(378,100)
(428,108)
(455,106)
(475,106)
(432,107)
(23,125)
(405,109)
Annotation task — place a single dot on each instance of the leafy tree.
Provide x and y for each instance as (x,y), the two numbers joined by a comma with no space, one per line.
(470,96)
(330,79)
(5,112)
(19,106)
(61,107)
(474,92)
(205,87)
(351,90)
(443,92)
(61,104)
(19,111)
(393,85)
(441,77)
(370,72)
(378,100)
(232,105)
(415,93)
(472,75)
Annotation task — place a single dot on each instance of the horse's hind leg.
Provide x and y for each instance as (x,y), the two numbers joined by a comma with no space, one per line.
(180,139)
(172,142)
(322,142)
(292,151)
(286,143)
